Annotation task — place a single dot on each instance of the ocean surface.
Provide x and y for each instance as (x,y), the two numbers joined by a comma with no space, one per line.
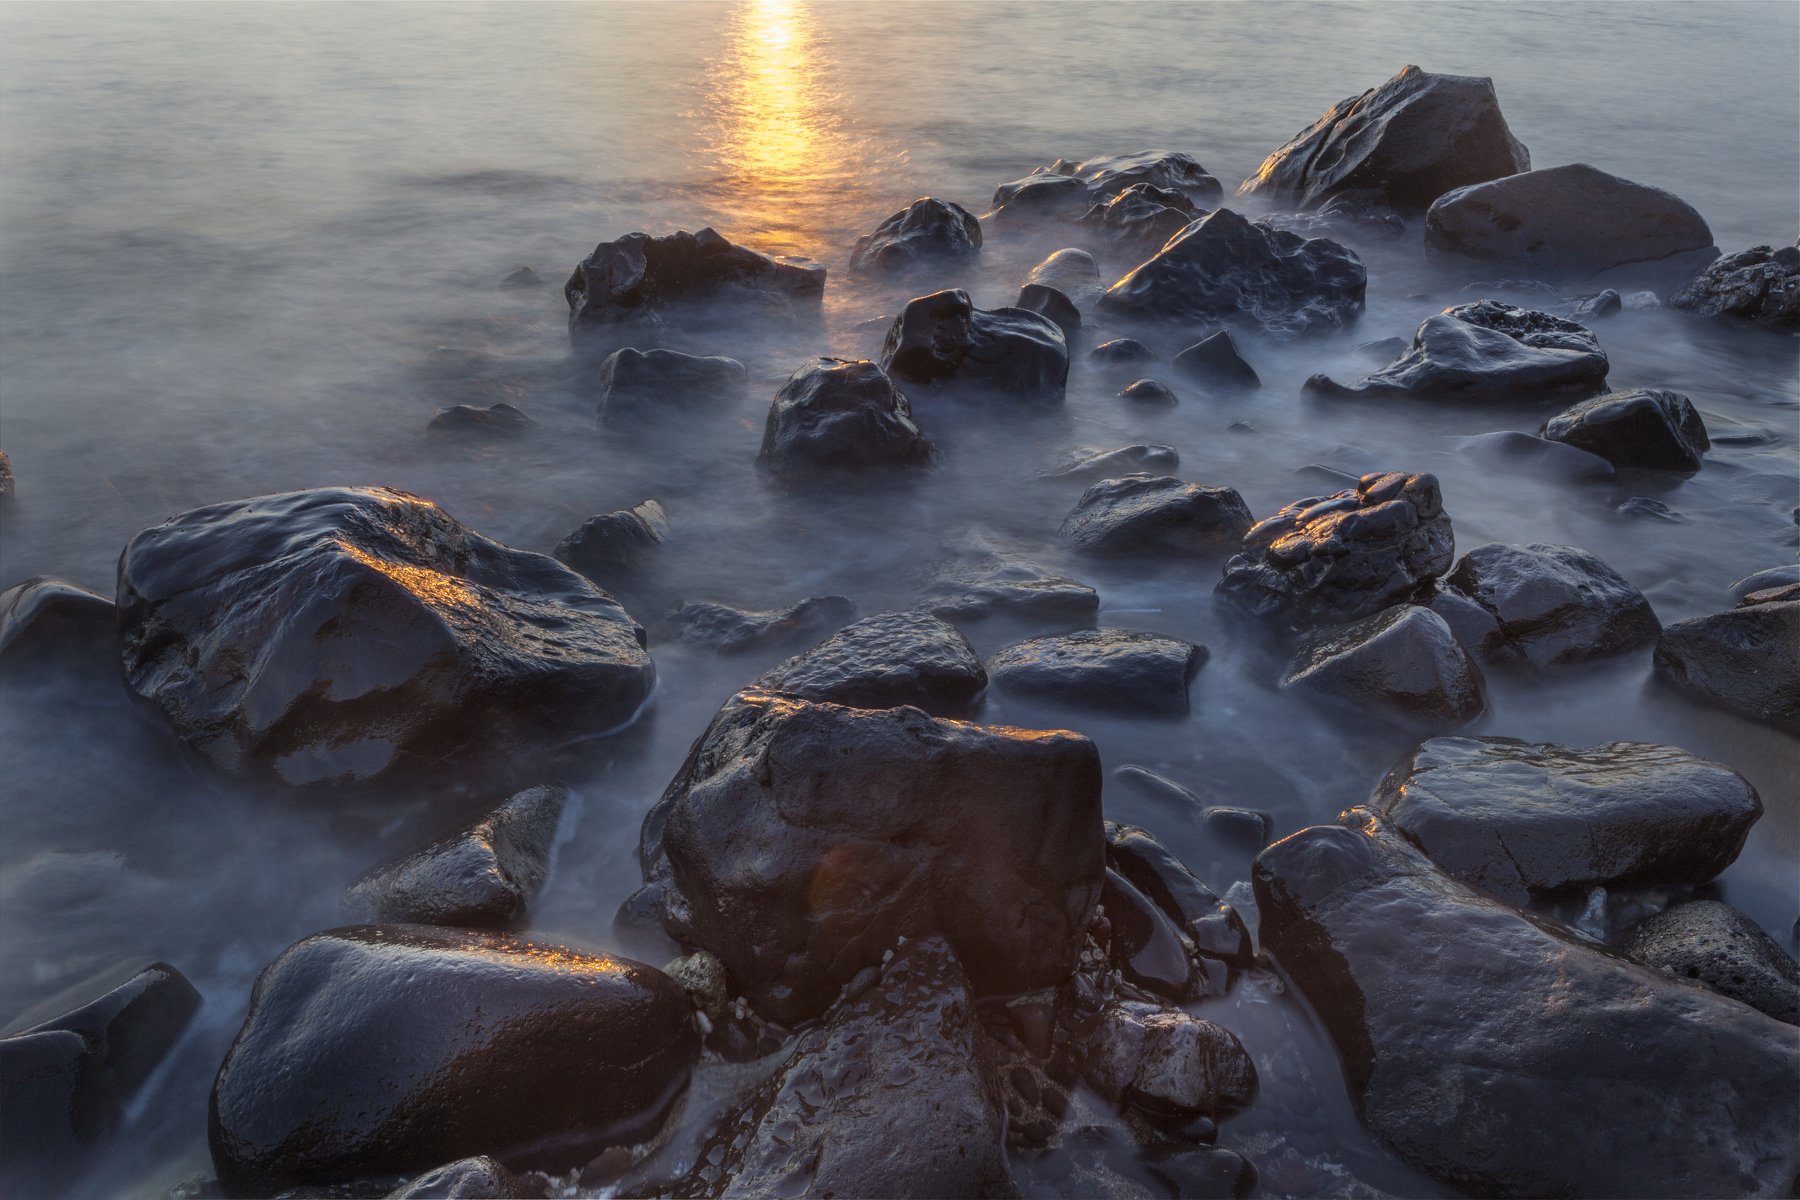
(247,248)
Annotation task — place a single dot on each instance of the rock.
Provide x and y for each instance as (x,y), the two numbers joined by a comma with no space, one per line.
(617,543)
(641,387)
(1354,216)
(1745,660)
(1122,350)
(726,630)
(1515,819)
(401,1047)
(1537,456)
(1645,301)
(1087,462)
(1214,927)
(524,277)
(1383,351)
(7,487)
(1167,1063)
(50,625)
(264,630)
(128,1018)
(1572,220)
(479,1178)
(1109,669)
(483,877)
(990,585)
(1647,507)
(1142,514)
(836,415)
(1408,141)
(1485,351)
(468,420)
(1240,829)
(1145,947)
(639,277)
(1645,428)
(799,840)
(1601,304)
(1047,301)
(1762,581)
(1152,393)
(1475,1038)
(1142,215)
(1556,604)
(944,341)
(1067,189)
(1222,268)
(1719,947)
(1342,557)
(928,232)
(1071,271)
(1403,664)
(1215,360)
(1759,285)
(1474,626)
(885,661)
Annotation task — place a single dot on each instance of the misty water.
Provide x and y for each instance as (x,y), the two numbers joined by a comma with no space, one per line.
(247,249)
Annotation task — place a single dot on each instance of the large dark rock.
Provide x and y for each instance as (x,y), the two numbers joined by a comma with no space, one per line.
(799,840)
(1143,215)
(1003,584)
(482,877)
(1330,559)
(884,661)
(642,387)
(1759,285)
(615,544)
(1071,271)
(1144,944)
(1110,669)
(640,277)
(1141,514)
(1214,928)
(1571,220)
(1150,393)
(1215,360)
(928,232)
(1403,664)
(1714,944)
(50,625)
(1514,819)
(1050,302)
(1407,142)
(1556,604)
(1066,189)
(469,420)
(1477,1040)
(1167,1063)
(478,1178)
(1085,462)
(1223,268)
(402,1047)
(355,635)
(726,630)
(1485,351)
(839,414)
(944,341)
(1645,428)
(1745,660)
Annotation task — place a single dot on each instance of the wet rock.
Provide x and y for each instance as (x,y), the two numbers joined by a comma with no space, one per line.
(401,1047)
(1215,360)
(1222,268)
(1141,514)
(1066,189)
(1383,351)
(7,484)
(1071,271)
(944,341)
(1166,1063)
(1145,947)
(1407,142)
(885,661)
(1474,626)
(482,877)
(128,1019)
(725,630)
(1403,664)
(1087,462)
(1141,215)
(1242,830)
(1475,1038)
(1745,660)
(1762,581)
(1545,459)
(1646,428)
(1122,350)
(799,840)
(1331,559)
(1214,927)
(1047,301)
(1718,946)
(640,277)
(272,633)
(1351,216)
(1152,393)
(1109,669)
(1601,304)
(1645,301)
(1513,819)
(836,415)
(928,232)
(640,387)
(524,277)
(1759,285)
(1485,351)
(479,1178)
(1556,604)
(50,625)
(1647,507)
(615,544)
(468,420)
(990,585)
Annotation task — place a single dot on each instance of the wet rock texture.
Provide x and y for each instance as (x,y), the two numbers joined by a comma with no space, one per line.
(885,661)
(478,1178)
(1406,142)
(1215,360)
(1142,215)
(927,232)
(1474,1039)
(943,341)
(641,277)
(1169,1064)
(1513,819)
(1403,664)
(1646,429)
(642,387)
(51,624)
(799,840)
(1066,189)
(614,544)
(835,415)
(726,630)
(1143,515)
(1222,268)
(1110,669)
(1071,271)
(1213,927)
(1714,944)
(1556,605)
(1050,302)
(403,1047)
(1759,285)
(1745,660)
(1007,585)
(352,635)
(1337,558)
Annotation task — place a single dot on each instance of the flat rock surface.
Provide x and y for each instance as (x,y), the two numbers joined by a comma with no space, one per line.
(1556,605)
(1149,515)
(884,661)
(1111,669)
(727,630)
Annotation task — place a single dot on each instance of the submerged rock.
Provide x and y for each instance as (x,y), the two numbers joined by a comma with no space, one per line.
(994,584)
(356,635)
(478,1178)
(1763,581)
(1141,514)
(1556,604)
(1152,393)
(836,415)
(642,277)
(1745,660)
(1066,189)
(885,661)
(641,387)
(1646,428)
(1142,215)
(1758,285)
(1215,929)
(1715,945)
(1047,301)
(7,482)
(1071,271)
(1528,455)
(944,341)
(468,420)
(50,625)
(1355,216)
(1110,669)
(1167,1063)
(1122,350)
(725,630)
(1084,462)
(1403,664)
(1215,360)
(1406,142)
(615,543)
(928,232)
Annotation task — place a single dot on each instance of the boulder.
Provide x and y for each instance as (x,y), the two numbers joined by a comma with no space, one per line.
(1503,1058)
(1404,664)
(1166,1063)
(1332,559)
(994,584)
(1646,428)
(1122,350)
(1515,819)
(885,661)
(1071,271)
(1222,268)
(1143,215)
(1605,303)
(1144,945)
(1141,514)
(944,341)
(1485,351)
(926,233)
(50,625)
(639,278)
(1556,604)
(363,635)
(482,877)
(1110,669)
(1047,301)
(1406,142)
(641,387)
(1759,285)
(1215,360)
(1151,393)
(836,415)
(615,544)
(1521,453)
(1572,220)
(1066,189)
(1745,660)
(1717,946)
(1085,462)
(402,1047)
(1214,928)
(1474,626)
(478,1178)
(469,420)
(725,630)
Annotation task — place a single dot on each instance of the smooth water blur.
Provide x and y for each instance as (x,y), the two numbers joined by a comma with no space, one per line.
(250,248)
